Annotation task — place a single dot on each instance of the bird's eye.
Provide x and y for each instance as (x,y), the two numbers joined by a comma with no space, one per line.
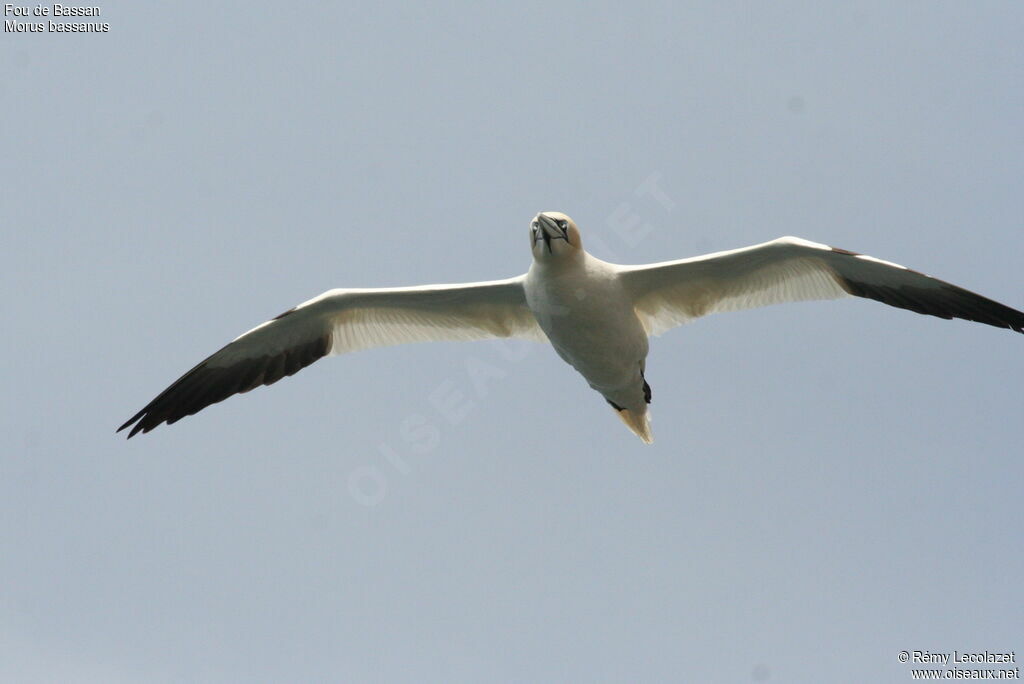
(563,224)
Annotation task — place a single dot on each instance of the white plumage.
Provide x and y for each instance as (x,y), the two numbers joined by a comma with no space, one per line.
(596,315)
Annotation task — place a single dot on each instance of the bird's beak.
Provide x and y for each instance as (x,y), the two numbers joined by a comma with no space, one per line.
(545,228)
(549,224)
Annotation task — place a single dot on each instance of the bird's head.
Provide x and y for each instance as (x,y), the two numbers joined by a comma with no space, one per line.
(554,235)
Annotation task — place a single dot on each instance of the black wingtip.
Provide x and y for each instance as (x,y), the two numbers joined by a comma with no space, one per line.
(122,428)
(941,299)
(129,422)
(205,385)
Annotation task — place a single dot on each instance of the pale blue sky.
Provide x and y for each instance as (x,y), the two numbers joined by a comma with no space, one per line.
(831,483)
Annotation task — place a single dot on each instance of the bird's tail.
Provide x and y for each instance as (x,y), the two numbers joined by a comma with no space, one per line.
(639,423)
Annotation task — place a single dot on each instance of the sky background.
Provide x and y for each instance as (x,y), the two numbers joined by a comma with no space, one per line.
(831,483)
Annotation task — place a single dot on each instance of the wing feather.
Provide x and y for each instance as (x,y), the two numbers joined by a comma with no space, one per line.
(791,269)
(339,322)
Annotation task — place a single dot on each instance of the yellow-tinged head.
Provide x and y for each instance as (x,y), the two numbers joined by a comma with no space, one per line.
(554,235)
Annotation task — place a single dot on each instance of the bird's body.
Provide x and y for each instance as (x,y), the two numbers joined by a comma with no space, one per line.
(590,320)
(597,315)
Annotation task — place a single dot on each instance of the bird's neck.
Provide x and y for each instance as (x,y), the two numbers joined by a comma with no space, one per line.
(567,261)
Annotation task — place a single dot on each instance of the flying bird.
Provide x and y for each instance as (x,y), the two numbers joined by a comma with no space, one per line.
(598,316)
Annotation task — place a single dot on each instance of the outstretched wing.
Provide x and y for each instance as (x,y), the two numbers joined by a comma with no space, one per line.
(790,269)
(338,322)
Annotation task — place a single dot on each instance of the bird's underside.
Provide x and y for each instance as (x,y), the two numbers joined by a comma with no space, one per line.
(661,296)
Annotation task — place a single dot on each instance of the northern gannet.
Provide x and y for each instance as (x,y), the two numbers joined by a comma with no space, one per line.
(598,316)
